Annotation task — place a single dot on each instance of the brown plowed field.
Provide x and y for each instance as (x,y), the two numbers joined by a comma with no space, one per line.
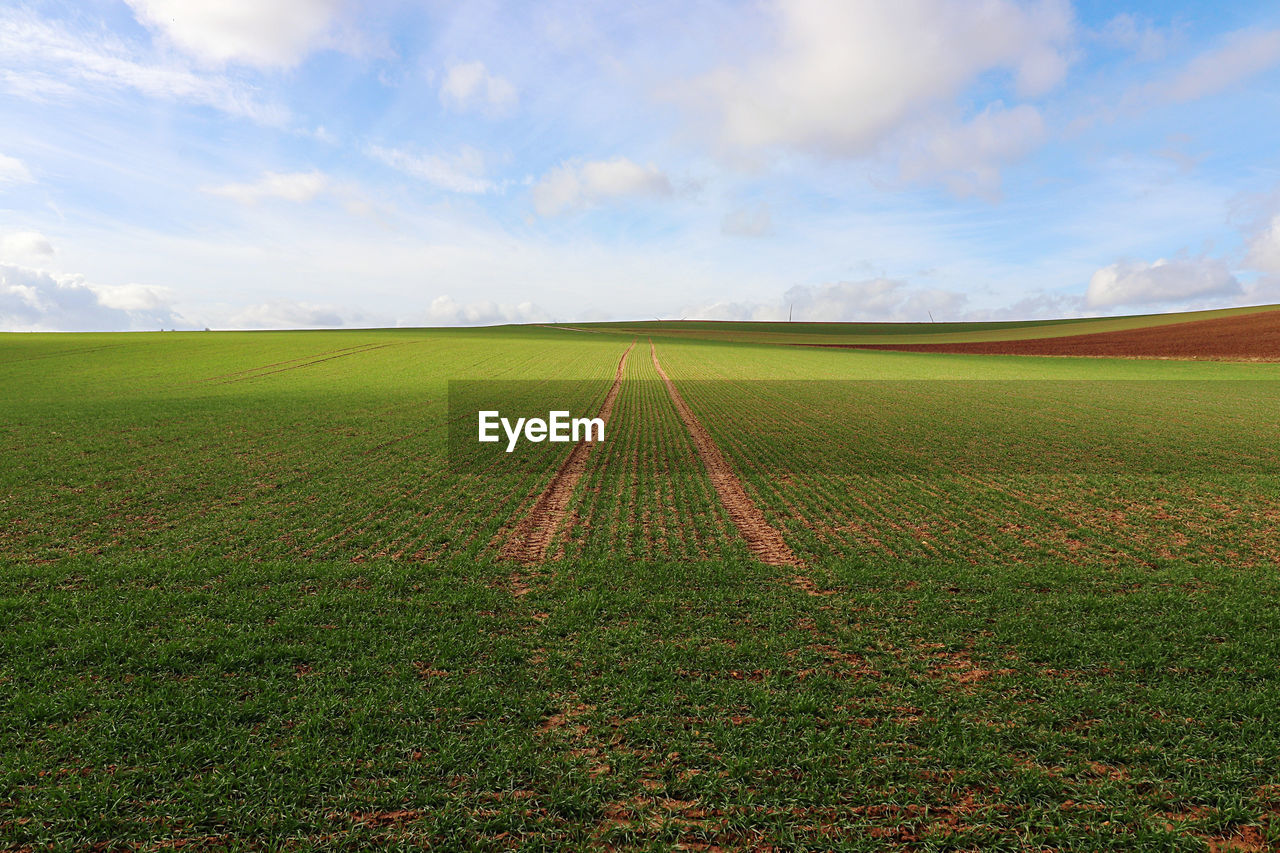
(1250,337)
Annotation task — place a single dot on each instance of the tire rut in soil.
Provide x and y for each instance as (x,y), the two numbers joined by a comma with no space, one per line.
(761,537)
(530,539)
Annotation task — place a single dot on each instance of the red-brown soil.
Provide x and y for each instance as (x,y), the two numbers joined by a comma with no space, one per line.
(1248,337)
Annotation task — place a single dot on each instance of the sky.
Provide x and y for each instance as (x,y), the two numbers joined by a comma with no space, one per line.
(240,164)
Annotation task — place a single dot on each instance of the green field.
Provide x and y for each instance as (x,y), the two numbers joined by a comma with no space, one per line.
(248,601)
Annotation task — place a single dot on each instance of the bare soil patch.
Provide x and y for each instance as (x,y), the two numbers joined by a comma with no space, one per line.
(1249,337)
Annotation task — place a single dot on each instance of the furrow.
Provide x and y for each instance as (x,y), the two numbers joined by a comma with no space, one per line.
(761,537)
(528,542)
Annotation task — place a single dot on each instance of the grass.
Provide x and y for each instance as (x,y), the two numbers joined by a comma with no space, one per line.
(256,608)
(637,705)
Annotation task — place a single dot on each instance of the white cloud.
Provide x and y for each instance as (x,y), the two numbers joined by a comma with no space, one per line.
(873,299)
(42,57)
(877,299)
(1160,282)
(290,314)
(444,311)
(1140,36)
(1264,291)
(35,300)
(737,311)
(1241,55)
(134,298)
(14,171)
(1237,57)
(575,185)
(31,85)
(469,86)
(1038,306)
(460,173)
(752,220)
(301,188)
(967,157)
(848,73)
(256,32)
(1264,248)
(25,247)
(290,186)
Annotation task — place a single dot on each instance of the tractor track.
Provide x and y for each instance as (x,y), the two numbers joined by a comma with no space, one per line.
(761,537)
(340,354)
(530,539)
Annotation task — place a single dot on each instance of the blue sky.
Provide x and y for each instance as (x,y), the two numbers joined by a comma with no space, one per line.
(308,163)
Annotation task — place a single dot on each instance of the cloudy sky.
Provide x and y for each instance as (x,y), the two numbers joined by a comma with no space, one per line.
(315,163)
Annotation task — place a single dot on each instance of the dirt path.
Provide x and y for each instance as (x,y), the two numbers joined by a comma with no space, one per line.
(528,542)
(761,537)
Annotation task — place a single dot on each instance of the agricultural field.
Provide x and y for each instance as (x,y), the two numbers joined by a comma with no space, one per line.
(908,334)
(806,595)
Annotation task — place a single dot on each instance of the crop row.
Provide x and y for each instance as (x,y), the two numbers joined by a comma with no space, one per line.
(334,458)
(1098,473)
(646,494)
(336,447)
